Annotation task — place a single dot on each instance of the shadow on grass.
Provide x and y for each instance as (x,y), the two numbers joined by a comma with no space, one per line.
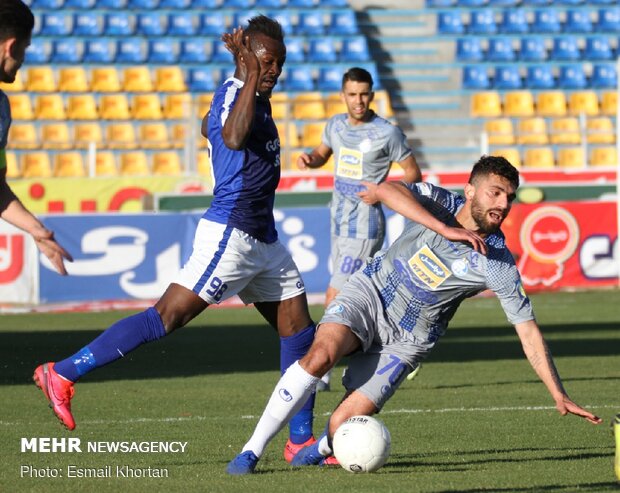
(199,350)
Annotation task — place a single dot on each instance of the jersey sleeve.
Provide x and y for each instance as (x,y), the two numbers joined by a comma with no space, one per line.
(327,131)
(398,148)
(427,193)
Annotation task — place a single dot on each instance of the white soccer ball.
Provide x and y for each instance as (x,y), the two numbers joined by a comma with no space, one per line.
(362,444)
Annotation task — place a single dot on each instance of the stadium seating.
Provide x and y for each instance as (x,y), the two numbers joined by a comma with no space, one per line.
(21,106)
(551,103)
(603,156)
(310,23)
(330,78)
(546,20)
(510,153)
(308,106)
(40,79)
(538,157)
(507,77)
(501,50)
(131,50)
(137,79)
(572,77)
(201,80)
(86,133)
(514,21)
(519,104)
(322,50)
(343,23)
(194,50)
(67,51)
(500,131)
(88,24)
(565,48)
(134,163)
(23,136)
(533,49)
(311,134)
(598,48)
(280,106)
(299,78)
(177,106)
(476,77)
(164,51)
(486,104)
(585,102)
(204,103)
(105,79)
(169,79)
(16,86)
(211,23)
(571,157)
(100,50)
(600,131)
(532,131)
(82,107)
(482,22)
(204,164)
(609,103)
(450,22)
(469,50)
(288,134)
(36,165)
(608,20)
(72,79)
(56,24)
(119,24)
(114,107)
(105,164)
(578,21)
(540,77)
(146,107)
(565,131)
(12,167)
(49,107)
(68,165)
(354,49)
(121,136)
(166,163)
(604,76)
(182,24)
(154,136)
(334,105)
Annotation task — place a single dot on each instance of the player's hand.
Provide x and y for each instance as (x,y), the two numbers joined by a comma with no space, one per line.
(44,239)
(239,46)
(369,196)
(566,406)
(303,161)
(462,234)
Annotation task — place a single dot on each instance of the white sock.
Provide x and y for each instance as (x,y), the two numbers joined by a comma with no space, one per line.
(327,377)
(290,393)
(324,448)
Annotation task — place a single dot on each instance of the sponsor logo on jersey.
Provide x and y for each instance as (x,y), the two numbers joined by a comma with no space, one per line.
(474,259)
(365,145)
(521,290)
(349,164)
(272,145)
(428,269)
(460,267)
(334,309)
(417,292)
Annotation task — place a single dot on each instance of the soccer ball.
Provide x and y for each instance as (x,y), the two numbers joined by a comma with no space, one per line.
(362,444)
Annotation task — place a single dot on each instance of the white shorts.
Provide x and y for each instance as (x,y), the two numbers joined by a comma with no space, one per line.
(226,261)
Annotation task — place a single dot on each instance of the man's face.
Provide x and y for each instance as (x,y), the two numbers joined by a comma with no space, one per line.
(357,96)
(271,55)
(12,54)
(491,199)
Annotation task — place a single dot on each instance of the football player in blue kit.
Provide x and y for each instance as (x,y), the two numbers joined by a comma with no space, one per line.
(392,312)
(236,248)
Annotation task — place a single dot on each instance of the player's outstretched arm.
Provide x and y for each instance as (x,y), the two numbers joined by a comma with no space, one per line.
(411,169)
(315,159)
(540,358)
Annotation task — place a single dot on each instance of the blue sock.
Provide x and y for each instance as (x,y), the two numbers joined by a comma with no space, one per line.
(291,349)
(114,343)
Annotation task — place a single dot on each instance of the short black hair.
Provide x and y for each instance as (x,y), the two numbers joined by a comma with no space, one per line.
(357,74)
(261,24)
(495,165)
(16,20)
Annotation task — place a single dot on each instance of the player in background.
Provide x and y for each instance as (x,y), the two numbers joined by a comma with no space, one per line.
(391,313)
(364,146)
(16,24)
(236,248)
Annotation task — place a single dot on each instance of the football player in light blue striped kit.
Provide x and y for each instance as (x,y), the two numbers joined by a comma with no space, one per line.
(364,146)
(392,312)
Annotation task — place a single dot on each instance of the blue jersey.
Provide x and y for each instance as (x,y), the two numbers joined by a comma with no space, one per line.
(245,180)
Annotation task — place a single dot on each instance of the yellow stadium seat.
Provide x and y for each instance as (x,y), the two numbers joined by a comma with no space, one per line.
(532,131)
(565,131)
(134,163)
(583,102)
(55,136)
(204,164)
(114,107)
(308,106)
(539,157)
(82,107)
(154,136)
(16,86)
(105,164)
(600,130)
(12,168)
(121,136)
(23,136)
(288,134)
(571,157)
(137,79)
(68,164)
(40,79)
(280,106)
(146,107)
(179,133)
(334,105)
(382,105)
(105,79)
(311,134)
(50,107)
(519,103)
(289,159)
(72,79)
(604,156)
(551,103)
(36,165)
(166,163)
(204,104)
(486,104)
(177,106)
(499,131)
(511,154)
(85,133)
(169,79)
(21,107)
(609,103)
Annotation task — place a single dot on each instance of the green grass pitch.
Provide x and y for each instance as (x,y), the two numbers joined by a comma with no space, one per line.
(476,419)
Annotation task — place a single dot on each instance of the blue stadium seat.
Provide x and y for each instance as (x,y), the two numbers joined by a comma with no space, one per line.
(143,4)
(131,50)
(569,2)
(299,78)
(572,77)
(87,24)
(99,50)
(268,4)
(540,77)
(514,21)
(163,50)
(533,49)
(194,50)
(300,4)
(181,24)
(431,4)
(237,4)
(565,48)
(500,50)
(546,21)
(311,23)
(241,18)
(119,24)
(38,20)
(201,80)
(219,53)
(371,68)
(471,3)
(205,4)
(598,48)
(503,3)
(507,77)
(39,52)
(469,50)
(80,4)
(175,4)
(295,50)
(578,21)
(68,51)
(343,23)
(330,79)
(111,4)
(608,20)
(322,49)
(354,49)
(537,2)
(335,4)
(226,73)
(476,77)
(212,24)
(450,22)
(482,22)
(602,2)
(285,19)
(151,24)
(604,76)
(47,4)
(56,24)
